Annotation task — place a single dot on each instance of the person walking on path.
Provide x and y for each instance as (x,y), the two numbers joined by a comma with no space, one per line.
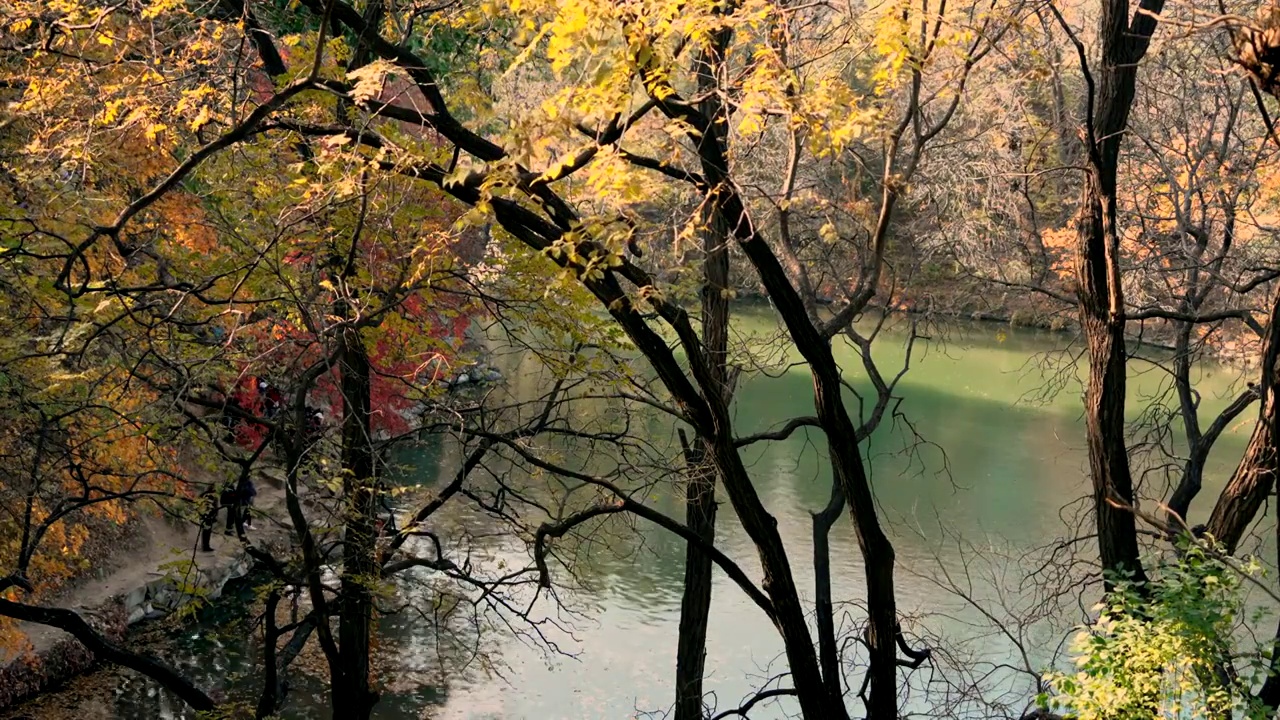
(230,499)
(208,517)
(237,500)
(246,493)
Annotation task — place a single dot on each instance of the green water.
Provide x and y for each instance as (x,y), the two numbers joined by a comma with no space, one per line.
(999,472)
(991,468)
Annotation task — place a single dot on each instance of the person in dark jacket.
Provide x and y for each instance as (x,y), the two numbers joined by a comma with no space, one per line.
(315,423)
(230,499)
(248,493)
(208,516)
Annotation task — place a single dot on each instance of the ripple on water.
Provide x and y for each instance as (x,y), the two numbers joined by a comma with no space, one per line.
(638,605)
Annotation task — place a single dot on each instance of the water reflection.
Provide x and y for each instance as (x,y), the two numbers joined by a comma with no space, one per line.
(996,465)
(979,462)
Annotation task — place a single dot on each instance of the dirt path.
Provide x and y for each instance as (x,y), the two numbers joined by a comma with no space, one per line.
(155,544)
(159,547)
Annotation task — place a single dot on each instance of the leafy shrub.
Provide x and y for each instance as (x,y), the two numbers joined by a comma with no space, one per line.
(1166,650)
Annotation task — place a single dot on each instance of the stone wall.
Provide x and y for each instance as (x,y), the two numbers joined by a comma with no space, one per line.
(46,667)
(166,594)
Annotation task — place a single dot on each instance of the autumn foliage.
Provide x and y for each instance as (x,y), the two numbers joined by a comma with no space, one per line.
(120,351)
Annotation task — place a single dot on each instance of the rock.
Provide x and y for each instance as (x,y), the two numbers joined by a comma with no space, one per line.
(463,379)
(136,615)
(135,599)
(493,375)
(329,577)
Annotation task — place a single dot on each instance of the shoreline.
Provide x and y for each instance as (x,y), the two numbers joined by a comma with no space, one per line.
(166,574)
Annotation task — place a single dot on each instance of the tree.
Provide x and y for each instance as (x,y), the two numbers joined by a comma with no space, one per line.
(1124,40)
(1181,255)
(599,262)
(774,62)
(302,223)
(292,277)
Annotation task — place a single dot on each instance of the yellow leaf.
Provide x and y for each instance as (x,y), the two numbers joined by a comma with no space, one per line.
(201,119)
(369,80)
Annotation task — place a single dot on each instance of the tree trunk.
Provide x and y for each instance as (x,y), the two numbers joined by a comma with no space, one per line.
(269,700)
(352,694)
(1101,295)
(707,410)
(700,489)
(847,468)
(1269,693)
(824,609)
(1108,453)
(789,614)
(1254,477)
(1197,450)
(695,604)
(1250,484)
(877,551)
(353,697)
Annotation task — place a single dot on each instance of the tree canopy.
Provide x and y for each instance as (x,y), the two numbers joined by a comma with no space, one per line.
(237,235)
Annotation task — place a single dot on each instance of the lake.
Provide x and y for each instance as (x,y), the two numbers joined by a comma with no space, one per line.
(991,469)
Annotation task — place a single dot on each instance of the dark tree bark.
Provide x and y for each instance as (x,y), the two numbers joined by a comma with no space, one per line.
(1199,443)
(697,397)
(1192,478)
(103,649)
(1199,282)
(270,698)
(236,11)
(700,486)
(824,608)
(778,581)
(1254,478)
(1269,693)
(846,462)
(1108,452)
(352,695)
(877,550)
(695,602)
(1101,296)
(842,442)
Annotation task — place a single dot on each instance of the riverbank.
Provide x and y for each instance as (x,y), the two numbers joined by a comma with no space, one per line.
(1233,343)
(204,638)
(157,570)
(1010,467)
